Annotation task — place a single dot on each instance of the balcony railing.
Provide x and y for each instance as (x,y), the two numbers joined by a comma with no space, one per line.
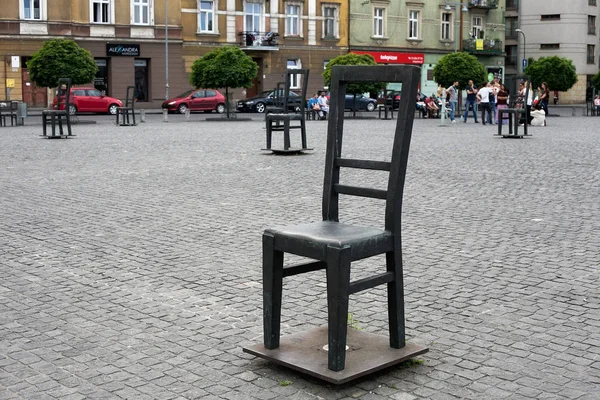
(590,59)
(591,30)
(259,40)
(487,4)
(512,4)
(489,46)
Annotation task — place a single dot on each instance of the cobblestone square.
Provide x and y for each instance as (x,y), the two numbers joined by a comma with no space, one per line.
(131,260)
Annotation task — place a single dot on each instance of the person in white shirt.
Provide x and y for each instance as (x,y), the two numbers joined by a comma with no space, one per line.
(483,95)
(324,105)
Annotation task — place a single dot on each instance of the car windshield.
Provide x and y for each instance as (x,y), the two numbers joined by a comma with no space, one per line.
(185,94)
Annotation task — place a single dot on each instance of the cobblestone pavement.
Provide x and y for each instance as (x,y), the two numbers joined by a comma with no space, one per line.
(131,261)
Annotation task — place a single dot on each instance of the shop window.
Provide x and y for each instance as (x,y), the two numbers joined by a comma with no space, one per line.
(141,79)
(101,79)
(101,11)
(331,21)
(142,12)
(295,79)
(34,10)
(206,17)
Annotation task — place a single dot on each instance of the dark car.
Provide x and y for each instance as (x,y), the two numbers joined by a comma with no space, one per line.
(88,99)
(361,103)
(205,100)
(259,103)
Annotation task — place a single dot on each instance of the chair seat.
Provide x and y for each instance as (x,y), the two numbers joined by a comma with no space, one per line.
(311,240)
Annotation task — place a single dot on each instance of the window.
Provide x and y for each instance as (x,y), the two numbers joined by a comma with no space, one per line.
(550,17)
(32,9)
(295,80)
(549,46)
(206,17)
(591,49)
(477,32)
(413,24)
(253,17)
(446,24)
(591,24)
(592,2)
(141,12)
(292,20)
(378,22)
(512,4)
(101,11)
(330,21)
(511,55)
(510,25)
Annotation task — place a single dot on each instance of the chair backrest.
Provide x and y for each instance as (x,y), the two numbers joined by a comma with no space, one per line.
(521,101)
(278,93)
(130,97)
(64,94)
(300,74)
(409,76)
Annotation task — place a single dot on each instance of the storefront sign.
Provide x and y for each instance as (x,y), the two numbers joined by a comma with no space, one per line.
(129,50)
(394,57)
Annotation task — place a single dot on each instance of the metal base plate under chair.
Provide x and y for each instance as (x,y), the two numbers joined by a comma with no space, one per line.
(306,352)
(290,151)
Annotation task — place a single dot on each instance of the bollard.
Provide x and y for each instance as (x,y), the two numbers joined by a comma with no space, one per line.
(142,115)
(187,114)
(165,115)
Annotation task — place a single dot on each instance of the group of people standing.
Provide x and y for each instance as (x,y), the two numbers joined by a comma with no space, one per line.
(493,96)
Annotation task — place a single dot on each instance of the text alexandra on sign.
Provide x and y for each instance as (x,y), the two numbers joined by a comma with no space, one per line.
(128,50)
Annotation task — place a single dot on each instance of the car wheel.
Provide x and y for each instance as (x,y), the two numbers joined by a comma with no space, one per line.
(260,107)
(72,109)
(112,109)
(220,108)
(370,106)
(182,108)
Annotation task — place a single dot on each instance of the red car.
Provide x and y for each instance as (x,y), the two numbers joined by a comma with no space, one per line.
(91,100)
(205,100)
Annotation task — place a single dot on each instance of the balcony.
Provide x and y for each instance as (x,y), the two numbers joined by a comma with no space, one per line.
(485,4)
(490,47)
(259,40)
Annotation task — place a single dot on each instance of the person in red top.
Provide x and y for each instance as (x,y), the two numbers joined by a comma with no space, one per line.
(502,102)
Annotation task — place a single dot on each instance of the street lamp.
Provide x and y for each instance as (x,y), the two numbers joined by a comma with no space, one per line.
(524,45)
(464,9)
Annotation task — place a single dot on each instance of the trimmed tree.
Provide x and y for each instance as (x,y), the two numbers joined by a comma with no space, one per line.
(461,67)
(226,67)
(558,72)
(358,87)
(61,58)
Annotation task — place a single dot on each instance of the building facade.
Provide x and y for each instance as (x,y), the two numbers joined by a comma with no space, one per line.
(421,32)
(553,27)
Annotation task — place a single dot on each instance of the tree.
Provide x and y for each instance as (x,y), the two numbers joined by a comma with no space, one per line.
(224,67)
(61,58)
(358,87)
(461,67)
(559,73)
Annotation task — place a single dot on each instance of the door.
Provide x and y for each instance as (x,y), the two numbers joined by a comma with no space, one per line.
(80,99)
(141,79)
(197,100)
(256,84)
(32,95)
(97,102)
(101,79)
(210,100)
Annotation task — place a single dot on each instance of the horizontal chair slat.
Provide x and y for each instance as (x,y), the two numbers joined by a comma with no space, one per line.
(363,164)
(302,268)
(361,192)
(368,283)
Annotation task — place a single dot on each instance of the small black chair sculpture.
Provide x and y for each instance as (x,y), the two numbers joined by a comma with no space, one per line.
(274,120)
(8,109)
(129,109)
(515,112)
(61,113)
(334,246)
(388,105)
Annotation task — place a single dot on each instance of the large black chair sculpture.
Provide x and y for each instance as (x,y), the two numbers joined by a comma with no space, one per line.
(515,112)
(334,245)
(128,110)
(281,121)
(61,113)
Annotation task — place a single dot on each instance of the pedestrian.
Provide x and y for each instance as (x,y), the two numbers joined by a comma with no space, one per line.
(597,104)
(483,95)
(494,89)
(544,97)
(452,93)
(502,102)
(471,99)
(324,106)
(313,105)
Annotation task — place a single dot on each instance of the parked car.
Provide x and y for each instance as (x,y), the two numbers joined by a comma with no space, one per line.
(259,103)
(362,103)
(84,100)
(206,100)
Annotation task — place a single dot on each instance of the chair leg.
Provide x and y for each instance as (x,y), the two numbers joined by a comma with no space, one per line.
(395,293)
(338,284)
(272,288)
(286,134)
(303,133)
(44,121)
(68,121)
(269,134)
